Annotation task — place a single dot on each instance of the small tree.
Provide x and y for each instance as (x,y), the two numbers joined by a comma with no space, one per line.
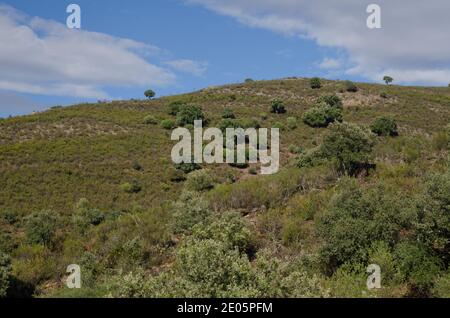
(315,83)
(149,94)
(388,79)
(40,228)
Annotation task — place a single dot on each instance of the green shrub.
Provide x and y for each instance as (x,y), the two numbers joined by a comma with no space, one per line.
(187,167)
(278,125)
(252,171)
(228,114)
(358,217)
(441,287)
(384,95)
(315,83)
(177,175)
(249,80)
(40,227)
(322,115)
(351,87)
(167,124)
(189,210)
(291,123)
(200,180)
(384,126)
(150,120)
(330,100)
(417,265)
(295,150)
(174,107)
(350,146)
(277,107)
(188,114)
(133,187)
(263,116)
(10,217)
(228,123)
(84,215)
(136,165)
(5,274)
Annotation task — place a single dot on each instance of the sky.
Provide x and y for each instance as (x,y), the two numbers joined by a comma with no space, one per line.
(176,46)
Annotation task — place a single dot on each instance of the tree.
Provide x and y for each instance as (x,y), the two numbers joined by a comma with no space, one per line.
(322,115)
(188,114)
(149,94)
(388,79)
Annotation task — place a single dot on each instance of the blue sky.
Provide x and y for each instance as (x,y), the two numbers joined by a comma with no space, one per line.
(182,46)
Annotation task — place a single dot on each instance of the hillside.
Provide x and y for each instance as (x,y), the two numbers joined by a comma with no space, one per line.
(52,160)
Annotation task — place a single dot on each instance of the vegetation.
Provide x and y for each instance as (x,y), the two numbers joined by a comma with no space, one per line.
(277,107)
(94,185)
(315,83)
(149,94)
(388,80)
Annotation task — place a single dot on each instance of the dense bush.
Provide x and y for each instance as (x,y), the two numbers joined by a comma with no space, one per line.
(189,210)
(174,107)
(417,265)
(350,146)
(150,120)
(167,124)
(322,115)
(228,114)
(351,87)
(384,126)
(40,227)
(291,123)
(315,83)
(277,107)
(188,114)
(131,187)
(330,100)
(84,215)
(10,217)
(187,167)
(357,218)
(5,274)
(199,180)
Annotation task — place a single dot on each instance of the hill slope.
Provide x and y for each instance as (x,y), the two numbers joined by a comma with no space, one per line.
(51,160)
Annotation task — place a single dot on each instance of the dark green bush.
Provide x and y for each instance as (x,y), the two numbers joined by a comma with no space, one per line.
(10,217)
(350,146)
(228,114)
(315,83)
(188,114)
(351,87)
(384,126)
(277,107)
(40,227)
(131,187)
(174,107)
(84,215)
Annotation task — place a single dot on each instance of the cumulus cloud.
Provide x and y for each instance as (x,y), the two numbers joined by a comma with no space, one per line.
(188,66)
(45,57)
(413,45)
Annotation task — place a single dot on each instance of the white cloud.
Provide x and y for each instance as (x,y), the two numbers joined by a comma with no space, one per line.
(413,45)
(188,66)
(45,57)
(330,63)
